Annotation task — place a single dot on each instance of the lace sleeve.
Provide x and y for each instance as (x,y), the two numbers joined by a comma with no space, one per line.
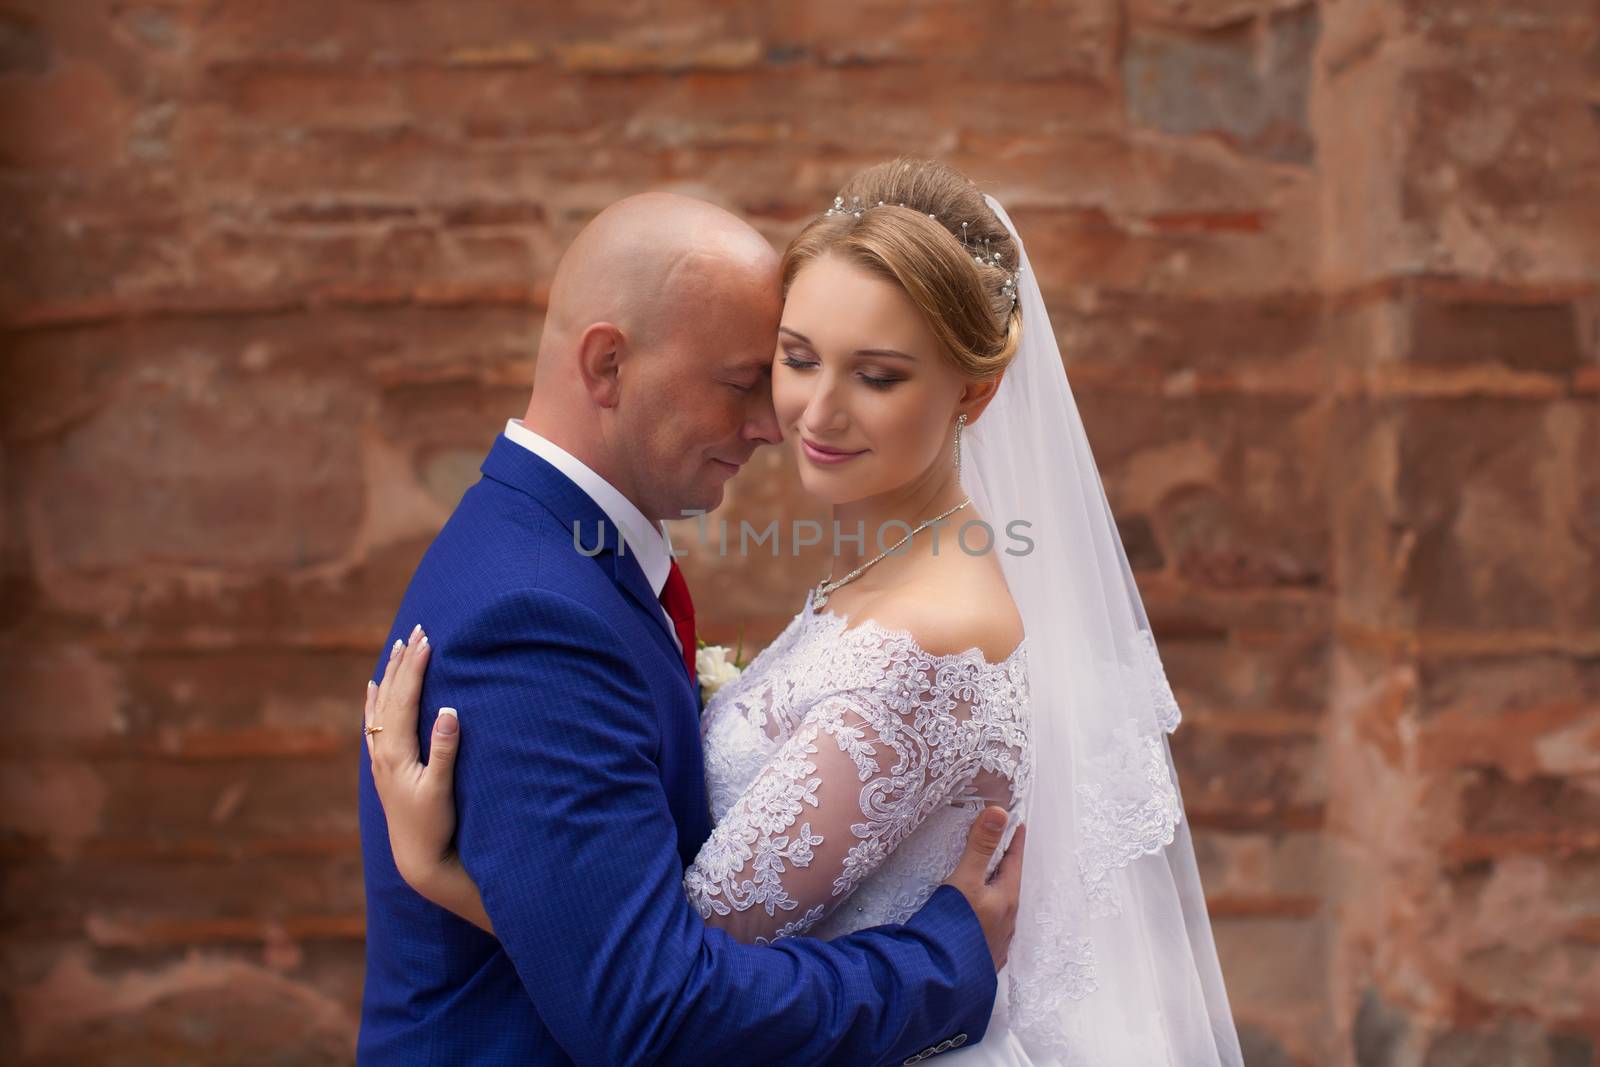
(860,772)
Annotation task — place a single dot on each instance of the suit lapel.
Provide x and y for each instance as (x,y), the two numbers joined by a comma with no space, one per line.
(511,464)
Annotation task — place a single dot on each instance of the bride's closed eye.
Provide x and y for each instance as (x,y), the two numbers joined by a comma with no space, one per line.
(795,362)
(876,382)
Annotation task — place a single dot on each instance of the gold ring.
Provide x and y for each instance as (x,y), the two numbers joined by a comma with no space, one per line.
(370,730)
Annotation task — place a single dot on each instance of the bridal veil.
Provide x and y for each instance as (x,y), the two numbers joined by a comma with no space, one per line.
(1113,962)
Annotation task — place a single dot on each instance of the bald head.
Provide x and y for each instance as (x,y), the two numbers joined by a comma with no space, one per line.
(660,307)
(648,264)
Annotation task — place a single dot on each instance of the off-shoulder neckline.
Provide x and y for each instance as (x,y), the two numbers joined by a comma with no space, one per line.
(850,626)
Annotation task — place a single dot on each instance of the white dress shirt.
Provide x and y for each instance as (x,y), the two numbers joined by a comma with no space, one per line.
(644,539)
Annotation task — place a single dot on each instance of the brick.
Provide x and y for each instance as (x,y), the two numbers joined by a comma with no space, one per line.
(65,808)
(1276,338)
(1530,902)
(1480,688)
(1252,866)
(25,48)
(1090,168)
(71,245)
(12,537)
(1379,1029)
(121,901)
(1259,777)
(216,1010)
(57,803)
(1212,547)
(1478,501)
(1056,41)
(1516,981)
(70,114)
(1227,514)
(1523,714)
(1248,677)
(1492,520)
(1245,87)
(1535,335)
(200,415)
(1177,609)
(1493,803)
(1570,1049)
(61,694)
(310,32)
(1501,157)
(72,383)
(1545,15)
(659,57)
(1208,14)
(1262,1049)
(1140,544)
(1248,949)
(1092,261)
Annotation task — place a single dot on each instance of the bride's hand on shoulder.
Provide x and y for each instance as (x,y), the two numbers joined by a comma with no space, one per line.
(417,797)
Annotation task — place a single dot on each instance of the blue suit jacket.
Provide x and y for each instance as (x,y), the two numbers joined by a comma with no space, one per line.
(581,801)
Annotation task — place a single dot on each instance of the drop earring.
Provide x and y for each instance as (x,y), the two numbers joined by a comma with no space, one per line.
(961,420)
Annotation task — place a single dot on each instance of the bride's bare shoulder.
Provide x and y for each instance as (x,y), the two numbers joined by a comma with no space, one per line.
(950,612)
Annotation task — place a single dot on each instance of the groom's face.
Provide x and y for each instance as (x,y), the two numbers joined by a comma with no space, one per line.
(702,402)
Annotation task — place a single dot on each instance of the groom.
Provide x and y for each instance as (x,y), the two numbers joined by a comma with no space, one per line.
(580,796)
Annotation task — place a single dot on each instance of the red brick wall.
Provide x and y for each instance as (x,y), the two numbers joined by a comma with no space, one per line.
(1328,278)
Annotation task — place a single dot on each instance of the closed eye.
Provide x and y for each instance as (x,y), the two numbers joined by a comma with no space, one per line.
(871,381)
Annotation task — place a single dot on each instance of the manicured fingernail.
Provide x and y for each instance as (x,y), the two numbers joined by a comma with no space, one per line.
(398,645)
(371,684)
(415,630)
(422,642)
(449,722)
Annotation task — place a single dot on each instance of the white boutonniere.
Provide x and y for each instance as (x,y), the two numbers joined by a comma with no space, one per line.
(716,666)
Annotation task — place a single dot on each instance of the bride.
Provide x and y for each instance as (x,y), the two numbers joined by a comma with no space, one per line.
(979,641)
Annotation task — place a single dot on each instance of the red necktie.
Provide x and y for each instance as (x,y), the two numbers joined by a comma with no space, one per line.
(680,609)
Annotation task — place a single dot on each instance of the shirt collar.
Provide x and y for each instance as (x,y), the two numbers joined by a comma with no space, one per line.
(645,539)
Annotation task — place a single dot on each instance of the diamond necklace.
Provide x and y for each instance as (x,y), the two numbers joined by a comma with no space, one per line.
(827,586)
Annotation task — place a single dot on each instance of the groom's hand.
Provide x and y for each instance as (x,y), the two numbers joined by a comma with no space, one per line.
(994,899)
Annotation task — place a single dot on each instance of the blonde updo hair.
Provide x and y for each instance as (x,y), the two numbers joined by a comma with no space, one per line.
(965,304)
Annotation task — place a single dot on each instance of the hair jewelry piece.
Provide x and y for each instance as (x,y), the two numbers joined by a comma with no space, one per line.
(983,256)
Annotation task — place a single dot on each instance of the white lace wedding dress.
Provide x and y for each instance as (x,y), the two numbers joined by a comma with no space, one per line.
(845,766)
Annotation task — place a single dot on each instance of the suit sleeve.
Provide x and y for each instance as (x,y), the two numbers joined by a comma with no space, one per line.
(565,827)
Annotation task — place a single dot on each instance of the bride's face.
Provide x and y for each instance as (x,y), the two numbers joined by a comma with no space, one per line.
(860,384)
